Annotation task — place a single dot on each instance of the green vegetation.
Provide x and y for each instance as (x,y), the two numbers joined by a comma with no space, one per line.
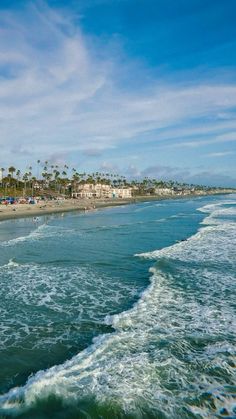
(62,180)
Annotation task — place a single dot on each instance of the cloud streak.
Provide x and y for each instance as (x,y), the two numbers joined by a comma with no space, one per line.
(58,95)
(220,154)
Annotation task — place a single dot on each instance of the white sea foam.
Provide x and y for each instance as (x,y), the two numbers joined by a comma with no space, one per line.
(131,365)
(210,208)
(164,350)
(33,234)
(214,242)
(11,263)
(69,296)
(219,213)
(148,206)
(43,231)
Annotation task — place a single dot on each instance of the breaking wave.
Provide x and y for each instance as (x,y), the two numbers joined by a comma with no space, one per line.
(174,353)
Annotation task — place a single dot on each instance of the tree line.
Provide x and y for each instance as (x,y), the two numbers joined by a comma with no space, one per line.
(63,179)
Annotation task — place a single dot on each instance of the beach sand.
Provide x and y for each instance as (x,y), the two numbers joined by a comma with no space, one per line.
(51,207)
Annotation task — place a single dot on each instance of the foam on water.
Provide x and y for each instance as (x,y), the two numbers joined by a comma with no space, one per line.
(149,205)
(11,263)
(210,208)
(43,231)
(173,353)
(216,241)
(220,215)
(58,296)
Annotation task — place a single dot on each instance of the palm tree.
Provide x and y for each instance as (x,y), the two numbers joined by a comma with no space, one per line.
(56,174)
(11,170)
(18,177)
(44,176)
(33,180)
(75,178)
(38,163)
(25,179)
(52,167)
(2,170)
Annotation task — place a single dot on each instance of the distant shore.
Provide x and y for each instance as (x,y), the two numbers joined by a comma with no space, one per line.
(53,207)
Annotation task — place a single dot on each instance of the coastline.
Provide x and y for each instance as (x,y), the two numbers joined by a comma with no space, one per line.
(12,212)
(48,276)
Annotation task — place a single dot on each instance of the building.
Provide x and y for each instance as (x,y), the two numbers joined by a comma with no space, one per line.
(99,190)
(122,193)
(90,190)
(164,191)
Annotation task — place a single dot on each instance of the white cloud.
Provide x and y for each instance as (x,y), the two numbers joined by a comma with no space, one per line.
(182,135)
(220,154)
(57,96)
(186,174)
(199,142)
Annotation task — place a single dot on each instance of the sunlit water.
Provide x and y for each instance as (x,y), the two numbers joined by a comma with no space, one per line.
(114,314)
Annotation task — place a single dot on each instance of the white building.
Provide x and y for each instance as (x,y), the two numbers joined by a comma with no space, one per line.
(121,193)
(164,191)
(89,190)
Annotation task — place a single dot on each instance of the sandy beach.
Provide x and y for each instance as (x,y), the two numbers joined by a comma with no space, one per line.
(51,207)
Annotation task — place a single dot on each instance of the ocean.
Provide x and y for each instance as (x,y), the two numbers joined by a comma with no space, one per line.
(123,312)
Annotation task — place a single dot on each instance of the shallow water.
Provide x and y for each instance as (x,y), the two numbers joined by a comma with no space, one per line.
(111,314)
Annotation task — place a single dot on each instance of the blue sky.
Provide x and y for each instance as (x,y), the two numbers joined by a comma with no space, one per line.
(139,87)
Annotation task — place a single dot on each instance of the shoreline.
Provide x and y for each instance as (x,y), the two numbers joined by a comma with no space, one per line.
(12,212)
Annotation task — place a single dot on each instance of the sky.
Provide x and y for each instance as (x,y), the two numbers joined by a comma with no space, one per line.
(135,87)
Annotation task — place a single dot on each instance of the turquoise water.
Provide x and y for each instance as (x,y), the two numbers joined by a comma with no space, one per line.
(111,314)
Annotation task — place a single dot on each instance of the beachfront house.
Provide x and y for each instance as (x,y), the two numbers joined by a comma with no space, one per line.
(90,190)
(164,191)
(100,190)
(122,193)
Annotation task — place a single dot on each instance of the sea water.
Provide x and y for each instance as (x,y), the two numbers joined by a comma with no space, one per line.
(125,312)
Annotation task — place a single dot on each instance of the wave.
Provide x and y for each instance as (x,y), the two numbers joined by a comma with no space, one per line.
(210,208)
(33,234)
(59,297)
(11,264)
(173,352)
(201,246)
(147,205)
(218,213)
(41,232)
